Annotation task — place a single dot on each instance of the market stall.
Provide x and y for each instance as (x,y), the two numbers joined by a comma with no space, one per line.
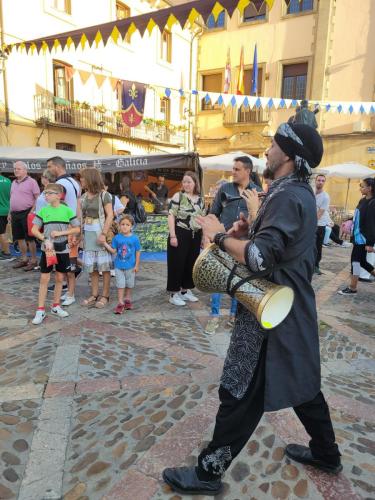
(141,170)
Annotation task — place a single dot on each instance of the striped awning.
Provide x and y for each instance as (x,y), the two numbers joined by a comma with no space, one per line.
(185,14)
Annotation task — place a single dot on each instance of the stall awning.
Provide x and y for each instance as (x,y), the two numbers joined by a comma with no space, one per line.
(182,14)
(36,160)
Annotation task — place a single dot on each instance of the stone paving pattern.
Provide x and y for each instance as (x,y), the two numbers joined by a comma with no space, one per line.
(95,406)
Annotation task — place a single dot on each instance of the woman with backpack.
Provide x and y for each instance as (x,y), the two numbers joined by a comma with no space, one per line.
(184,239)
(97,218)
(363,235)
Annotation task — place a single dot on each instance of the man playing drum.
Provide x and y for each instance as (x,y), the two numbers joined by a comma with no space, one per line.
(268,371)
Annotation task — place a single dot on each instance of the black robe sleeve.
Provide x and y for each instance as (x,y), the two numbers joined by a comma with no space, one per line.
(280,226)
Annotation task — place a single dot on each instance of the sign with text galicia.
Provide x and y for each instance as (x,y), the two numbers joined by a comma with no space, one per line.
(133,102)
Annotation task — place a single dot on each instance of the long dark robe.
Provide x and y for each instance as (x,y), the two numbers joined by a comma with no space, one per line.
(282,243)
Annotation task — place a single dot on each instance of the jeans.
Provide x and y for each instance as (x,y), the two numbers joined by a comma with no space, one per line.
(215,305)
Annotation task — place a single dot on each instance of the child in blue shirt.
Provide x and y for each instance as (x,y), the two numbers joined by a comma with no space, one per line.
(127,248)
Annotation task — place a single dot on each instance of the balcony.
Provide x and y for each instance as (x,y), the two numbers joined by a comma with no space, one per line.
(52,110)
(245,116)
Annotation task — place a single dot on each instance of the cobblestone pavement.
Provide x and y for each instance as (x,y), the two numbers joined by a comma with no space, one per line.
(96,405)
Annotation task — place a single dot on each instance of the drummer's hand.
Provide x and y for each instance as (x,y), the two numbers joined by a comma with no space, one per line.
(210,225)
(240,227)
(252,201)
(205,242)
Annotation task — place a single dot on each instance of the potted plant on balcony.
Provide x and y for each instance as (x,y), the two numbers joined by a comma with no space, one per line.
(100,108)
(85,105)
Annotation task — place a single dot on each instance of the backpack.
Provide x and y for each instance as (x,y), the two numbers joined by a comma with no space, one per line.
(140,215)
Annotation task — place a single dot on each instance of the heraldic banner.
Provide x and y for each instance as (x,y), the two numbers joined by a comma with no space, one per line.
(133,102)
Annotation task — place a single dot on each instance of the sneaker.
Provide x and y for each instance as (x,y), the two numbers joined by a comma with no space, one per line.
(347,291)
(176,300)
(367,280)
(51,288)
(119,309)
(6,256)
(188,296)
(57,311)
(39,317)
(212,326)
(68,301)
(64,296)
(128,305)
(345,244)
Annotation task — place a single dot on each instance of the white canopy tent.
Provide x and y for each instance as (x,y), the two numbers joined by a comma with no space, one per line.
(349,170)
(224,162)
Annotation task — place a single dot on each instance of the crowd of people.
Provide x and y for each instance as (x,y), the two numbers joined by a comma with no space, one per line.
(277,231)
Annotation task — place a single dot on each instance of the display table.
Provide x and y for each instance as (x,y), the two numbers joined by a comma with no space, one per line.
(153,234)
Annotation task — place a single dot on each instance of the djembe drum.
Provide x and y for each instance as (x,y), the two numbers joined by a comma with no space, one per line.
(217,272)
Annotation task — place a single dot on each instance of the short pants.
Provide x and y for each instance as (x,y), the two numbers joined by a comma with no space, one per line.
(125,278)
(3,223)
(19,226)
(62,266)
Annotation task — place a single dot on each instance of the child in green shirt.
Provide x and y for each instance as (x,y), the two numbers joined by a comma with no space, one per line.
(58,221)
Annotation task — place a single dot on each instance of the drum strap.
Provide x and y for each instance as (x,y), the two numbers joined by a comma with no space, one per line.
(231,290)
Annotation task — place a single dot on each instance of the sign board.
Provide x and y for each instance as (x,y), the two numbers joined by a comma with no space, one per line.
(371,150)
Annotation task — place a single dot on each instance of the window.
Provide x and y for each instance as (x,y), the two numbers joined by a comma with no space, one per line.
(66,146)
(211,83)
(166,46)
(63,91)
(246,115)
(165,109)
(219,23)
(296,6)
(256,11)
(61,5)
(247,81)
(294,81)
(123,12)
(63,81)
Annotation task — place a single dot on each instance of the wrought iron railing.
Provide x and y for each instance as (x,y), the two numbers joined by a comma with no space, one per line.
(53,110)
(233,115)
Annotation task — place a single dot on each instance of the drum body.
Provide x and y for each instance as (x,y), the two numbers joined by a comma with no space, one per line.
(217,272)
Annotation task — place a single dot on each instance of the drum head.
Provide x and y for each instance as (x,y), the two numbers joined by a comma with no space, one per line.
(277,307)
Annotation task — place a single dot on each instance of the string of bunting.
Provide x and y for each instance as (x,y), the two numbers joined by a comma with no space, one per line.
(185,15)
(234,100)
(255,102)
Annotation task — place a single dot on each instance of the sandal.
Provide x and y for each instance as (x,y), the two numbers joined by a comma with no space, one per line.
(90,301)
(102,302)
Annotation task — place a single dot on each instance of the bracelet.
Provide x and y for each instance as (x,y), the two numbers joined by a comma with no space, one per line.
(219,239)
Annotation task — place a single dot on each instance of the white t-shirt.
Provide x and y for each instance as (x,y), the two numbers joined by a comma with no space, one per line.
(72,191)
(322,203)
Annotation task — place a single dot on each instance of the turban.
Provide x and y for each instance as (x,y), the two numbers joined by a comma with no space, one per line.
(301,143)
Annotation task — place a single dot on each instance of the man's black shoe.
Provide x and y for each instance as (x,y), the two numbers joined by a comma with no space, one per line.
(184,480)
(303,455)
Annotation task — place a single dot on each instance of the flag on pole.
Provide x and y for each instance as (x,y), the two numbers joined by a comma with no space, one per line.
(254,76)
(228,75)
(241,76)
